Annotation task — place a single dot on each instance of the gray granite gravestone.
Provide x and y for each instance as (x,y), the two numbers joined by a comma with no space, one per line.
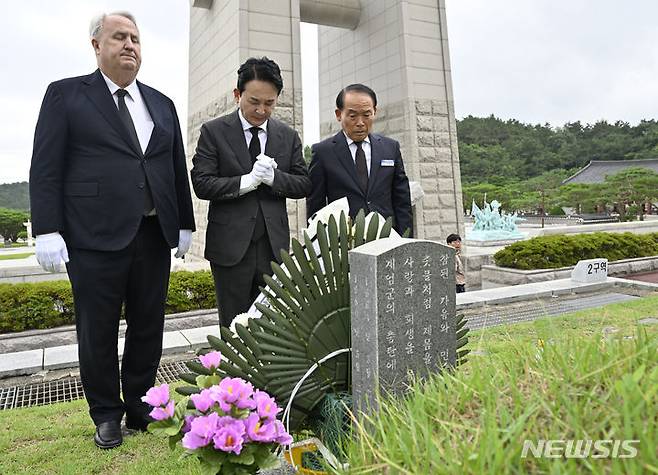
(590,270)
(403,315)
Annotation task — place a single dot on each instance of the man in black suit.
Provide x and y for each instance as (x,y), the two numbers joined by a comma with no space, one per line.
(367,168)
(246,164)
(110,197)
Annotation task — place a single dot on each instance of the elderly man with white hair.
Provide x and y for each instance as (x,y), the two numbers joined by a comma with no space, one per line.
(110,197)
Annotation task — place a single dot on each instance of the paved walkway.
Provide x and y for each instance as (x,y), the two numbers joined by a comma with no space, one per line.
(651,277)
(47,356)
(29,261)
(13,271)
(15,250)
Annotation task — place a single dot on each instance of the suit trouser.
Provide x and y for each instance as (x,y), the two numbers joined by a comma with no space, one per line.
(102,282)
(236,287)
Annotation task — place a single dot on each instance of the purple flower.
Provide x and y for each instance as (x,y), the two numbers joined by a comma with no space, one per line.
(266,405)
(157,396)
(233,388)
(201,431)
(187,424)
(162,413)
(282,436)
(211,360)
(224,421)
(202,401)
(218,396)
(259,431)
(205,426)
(245,399)
(230,436)
(234,391)
(191,441)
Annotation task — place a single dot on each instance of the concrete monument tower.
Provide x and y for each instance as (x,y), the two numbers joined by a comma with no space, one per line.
(399,48)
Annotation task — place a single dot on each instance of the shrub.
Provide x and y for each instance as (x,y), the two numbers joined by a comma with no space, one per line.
(190,291)
(550,252)
(42,305)
(35,306)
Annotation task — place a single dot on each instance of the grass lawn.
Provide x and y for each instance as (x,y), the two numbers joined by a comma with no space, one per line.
(590,375)
(22,255)
(58,439)
(594,377)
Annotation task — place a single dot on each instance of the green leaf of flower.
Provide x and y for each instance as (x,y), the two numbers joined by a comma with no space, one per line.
(208,468)
(243,458)
(210,455)
(173,440)
(168,427)
(206,382)
(270,462)
(181,408)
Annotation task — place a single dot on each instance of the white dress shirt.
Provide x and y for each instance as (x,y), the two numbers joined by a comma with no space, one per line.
(365,145)
(246,183)
(137,108)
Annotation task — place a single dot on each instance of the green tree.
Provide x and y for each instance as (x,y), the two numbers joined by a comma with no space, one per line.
(583,197)
(542,192)
(503,192)
(631,188)
(11,223)
(490,147)
(15,196)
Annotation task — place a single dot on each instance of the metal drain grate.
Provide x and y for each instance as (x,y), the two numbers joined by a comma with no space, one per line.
(168,373)
(535,310)
(69,389)
(41,394)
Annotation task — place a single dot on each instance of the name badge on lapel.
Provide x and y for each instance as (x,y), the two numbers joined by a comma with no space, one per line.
(387,163)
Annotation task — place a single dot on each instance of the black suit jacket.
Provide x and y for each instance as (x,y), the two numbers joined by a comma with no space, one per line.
(333,175)
(221,158)
(87,179)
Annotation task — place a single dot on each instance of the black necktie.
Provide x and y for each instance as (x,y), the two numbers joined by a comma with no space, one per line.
(127,120)
(254,145)
(361,166)
(254,151)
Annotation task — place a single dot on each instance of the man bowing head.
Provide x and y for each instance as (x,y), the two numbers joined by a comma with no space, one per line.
(110,197)
(363,166)
(246,164)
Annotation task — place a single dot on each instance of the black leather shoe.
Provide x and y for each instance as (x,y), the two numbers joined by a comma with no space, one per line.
(139,423)
(108,435)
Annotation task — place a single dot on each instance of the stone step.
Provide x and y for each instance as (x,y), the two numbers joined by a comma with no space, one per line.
(19,363)
(66,356)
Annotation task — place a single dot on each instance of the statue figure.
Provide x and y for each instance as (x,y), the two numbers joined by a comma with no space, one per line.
(478,217)
(496,220)
(492,224)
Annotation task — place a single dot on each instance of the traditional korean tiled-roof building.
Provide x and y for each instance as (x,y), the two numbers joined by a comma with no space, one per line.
(596,170)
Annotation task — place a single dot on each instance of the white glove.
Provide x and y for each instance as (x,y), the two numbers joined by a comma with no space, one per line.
(249,182)
(264,170)
(184,242)
(51,251)
(266,158)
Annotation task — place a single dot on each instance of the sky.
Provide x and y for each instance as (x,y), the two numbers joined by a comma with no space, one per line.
(539,61)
